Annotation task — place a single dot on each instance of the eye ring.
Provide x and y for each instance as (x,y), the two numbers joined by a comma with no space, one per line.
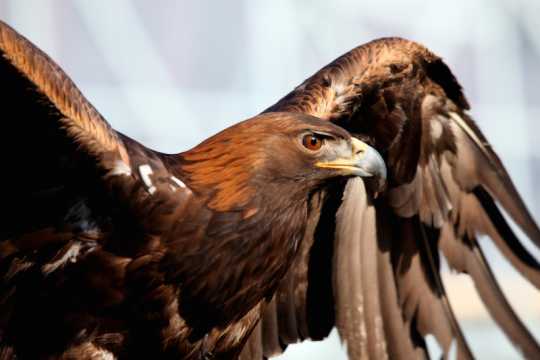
(312,142)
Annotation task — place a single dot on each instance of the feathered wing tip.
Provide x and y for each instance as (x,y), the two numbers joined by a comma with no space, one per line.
(387,287)
(452,194)
(477,167)
(410,297)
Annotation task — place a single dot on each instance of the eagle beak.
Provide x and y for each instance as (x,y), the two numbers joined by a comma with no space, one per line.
(364,161)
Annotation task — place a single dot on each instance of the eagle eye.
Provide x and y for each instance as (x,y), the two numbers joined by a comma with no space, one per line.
(312,142)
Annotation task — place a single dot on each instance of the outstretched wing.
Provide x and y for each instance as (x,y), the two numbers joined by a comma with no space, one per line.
(65,176)
(50,132)
(378,281)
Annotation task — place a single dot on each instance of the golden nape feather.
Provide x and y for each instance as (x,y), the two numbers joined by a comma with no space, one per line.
(332,208)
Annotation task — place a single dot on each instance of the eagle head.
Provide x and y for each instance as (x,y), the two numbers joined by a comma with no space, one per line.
(276,154)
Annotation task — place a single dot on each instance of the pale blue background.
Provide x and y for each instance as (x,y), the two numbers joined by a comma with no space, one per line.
(171,73)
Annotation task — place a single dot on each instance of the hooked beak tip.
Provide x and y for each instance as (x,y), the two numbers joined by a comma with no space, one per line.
(373,163)
(364,162)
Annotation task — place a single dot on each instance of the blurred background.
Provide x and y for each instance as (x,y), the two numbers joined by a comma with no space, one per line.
(171,73)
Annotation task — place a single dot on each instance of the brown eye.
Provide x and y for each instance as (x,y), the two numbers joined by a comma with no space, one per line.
(312,142)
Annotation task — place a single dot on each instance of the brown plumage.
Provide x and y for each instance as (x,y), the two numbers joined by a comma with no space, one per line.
(378,278)
(111,249)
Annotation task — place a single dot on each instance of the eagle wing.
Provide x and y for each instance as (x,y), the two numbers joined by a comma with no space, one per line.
(371,267)
(66,175)
(50,130)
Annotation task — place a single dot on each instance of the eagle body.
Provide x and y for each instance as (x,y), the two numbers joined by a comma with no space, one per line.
(111,249)
(171,254)
(332,208)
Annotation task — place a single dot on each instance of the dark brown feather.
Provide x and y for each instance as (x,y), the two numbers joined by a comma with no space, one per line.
(403,340)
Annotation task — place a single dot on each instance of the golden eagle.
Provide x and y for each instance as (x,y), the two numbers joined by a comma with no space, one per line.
(261,236)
